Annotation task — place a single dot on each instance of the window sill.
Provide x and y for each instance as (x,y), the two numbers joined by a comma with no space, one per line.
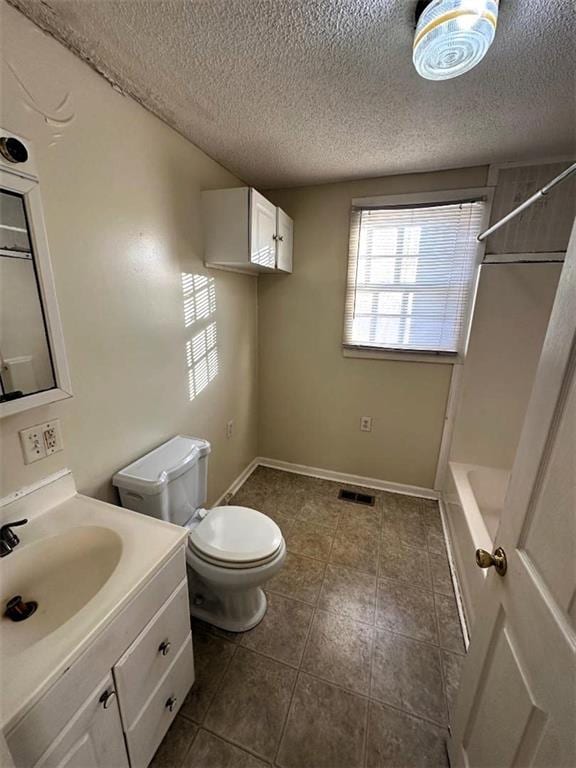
(403,357)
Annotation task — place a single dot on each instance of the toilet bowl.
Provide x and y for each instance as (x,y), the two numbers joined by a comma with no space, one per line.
(232,551)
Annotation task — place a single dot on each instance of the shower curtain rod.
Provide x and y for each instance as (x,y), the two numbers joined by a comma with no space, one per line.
(527,203)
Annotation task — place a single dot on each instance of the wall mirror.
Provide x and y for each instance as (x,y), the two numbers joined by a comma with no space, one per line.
(33,367)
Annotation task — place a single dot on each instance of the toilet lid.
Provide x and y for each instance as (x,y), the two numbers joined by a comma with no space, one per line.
(236,535)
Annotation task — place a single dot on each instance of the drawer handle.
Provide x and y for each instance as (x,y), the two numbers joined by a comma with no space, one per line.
(164,648)
(171,703)
(106,698)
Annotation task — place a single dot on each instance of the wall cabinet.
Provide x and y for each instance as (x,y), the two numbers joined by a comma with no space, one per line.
(113,706)
(245,232)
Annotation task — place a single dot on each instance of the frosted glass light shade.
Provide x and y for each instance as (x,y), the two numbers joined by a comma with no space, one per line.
(452,36)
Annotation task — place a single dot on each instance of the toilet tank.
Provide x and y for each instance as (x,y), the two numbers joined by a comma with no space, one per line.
(168,483)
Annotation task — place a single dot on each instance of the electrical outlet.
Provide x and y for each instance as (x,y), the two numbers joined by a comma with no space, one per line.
(365,423)
(32,441)
(229,428)
(41,441)
(52,437)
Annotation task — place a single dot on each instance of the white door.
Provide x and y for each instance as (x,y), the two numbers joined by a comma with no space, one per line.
(93,738)
(284,241)
(517,700)
(262,230)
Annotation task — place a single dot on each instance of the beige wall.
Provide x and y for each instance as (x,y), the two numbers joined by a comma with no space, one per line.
(121,199)
(512,310)
(311,397)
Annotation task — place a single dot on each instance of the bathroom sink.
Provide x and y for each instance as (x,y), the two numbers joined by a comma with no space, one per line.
(82,561)
(61,573)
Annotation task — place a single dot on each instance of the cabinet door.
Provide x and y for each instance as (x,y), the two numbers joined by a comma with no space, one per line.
(284,241)
(93,738)
(262,230)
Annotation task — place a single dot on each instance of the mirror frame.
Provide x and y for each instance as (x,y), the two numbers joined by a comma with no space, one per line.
(29,187)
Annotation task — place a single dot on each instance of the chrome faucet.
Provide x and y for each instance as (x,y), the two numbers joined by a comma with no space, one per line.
(8,539)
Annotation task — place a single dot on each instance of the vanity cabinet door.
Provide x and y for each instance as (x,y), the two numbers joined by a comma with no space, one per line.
(93,738)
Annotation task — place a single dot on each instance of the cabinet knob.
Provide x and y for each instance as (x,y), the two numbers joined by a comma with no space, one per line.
(164,648)
(107,698)
(171,703)
(281,238)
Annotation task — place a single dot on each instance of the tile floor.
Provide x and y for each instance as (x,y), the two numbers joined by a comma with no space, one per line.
(357,660)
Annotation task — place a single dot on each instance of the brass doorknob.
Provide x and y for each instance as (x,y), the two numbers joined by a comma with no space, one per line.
(498,560)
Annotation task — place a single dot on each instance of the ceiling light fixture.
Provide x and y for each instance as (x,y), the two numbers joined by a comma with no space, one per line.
(452,36)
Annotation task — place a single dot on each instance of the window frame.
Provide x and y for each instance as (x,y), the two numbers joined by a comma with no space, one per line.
(413,199)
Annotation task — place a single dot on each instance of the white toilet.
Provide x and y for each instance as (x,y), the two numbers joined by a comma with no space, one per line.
(232,551)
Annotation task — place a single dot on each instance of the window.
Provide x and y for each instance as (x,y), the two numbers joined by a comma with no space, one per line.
(411,275)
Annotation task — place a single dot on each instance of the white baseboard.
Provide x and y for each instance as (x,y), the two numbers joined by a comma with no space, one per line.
(240,480)
(343,477)
(325,474)
(454,575)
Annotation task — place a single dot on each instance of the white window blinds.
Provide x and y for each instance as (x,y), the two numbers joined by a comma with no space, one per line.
(411,275)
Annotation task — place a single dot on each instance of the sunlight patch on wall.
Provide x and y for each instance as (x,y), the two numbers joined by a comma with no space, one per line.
(199,298)
(202,360)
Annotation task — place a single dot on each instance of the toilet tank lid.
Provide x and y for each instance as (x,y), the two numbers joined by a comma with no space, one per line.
(150,474)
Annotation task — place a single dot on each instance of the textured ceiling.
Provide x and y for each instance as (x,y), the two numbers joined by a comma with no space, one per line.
(289,92)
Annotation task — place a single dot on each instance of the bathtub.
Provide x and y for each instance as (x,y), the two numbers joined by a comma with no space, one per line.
(473,501)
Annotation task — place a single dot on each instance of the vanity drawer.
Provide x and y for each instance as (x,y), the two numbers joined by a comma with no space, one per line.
(147,660)
(144,737)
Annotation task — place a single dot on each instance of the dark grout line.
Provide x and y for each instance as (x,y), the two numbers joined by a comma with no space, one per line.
(182,762)
(293,667)
(442,675)
(231,741)
(288,711)
(367,723)
(373,699)
(438,724)
(220,682)
(285,723)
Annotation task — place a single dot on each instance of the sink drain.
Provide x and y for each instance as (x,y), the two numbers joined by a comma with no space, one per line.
(18,610)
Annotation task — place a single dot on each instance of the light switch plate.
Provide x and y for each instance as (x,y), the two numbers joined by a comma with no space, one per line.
(32,440)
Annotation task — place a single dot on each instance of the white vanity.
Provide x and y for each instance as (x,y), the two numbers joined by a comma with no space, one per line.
(96,675)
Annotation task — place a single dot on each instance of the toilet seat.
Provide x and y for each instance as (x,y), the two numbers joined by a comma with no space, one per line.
(235,537)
